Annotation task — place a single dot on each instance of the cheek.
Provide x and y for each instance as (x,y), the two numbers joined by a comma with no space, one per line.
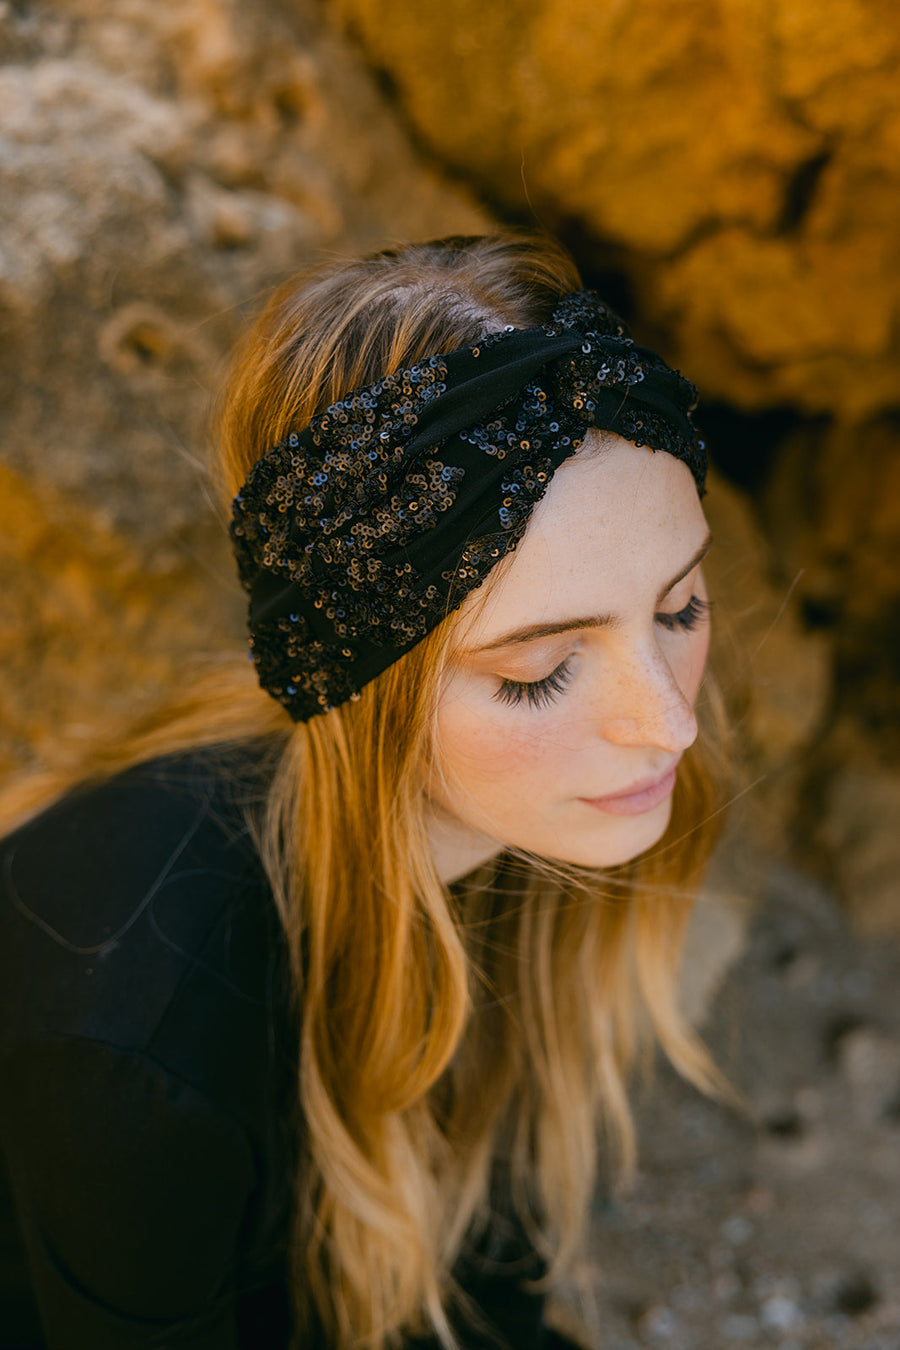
(489,747)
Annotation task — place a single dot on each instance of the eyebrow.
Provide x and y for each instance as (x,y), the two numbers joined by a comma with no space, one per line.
(539,630)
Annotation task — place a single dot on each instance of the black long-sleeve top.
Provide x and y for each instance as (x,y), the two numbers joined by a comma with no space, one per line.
(147,1063)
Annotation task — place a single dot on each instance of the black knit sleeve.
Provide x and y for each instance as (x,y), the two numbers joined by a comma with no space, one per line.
(130,1189)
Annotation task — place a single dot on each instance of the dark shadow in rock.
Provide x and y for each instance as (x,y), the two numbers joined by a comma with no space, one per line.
(854,1294)
(891,1113)
(784,1123)
(784,955)
(800,192)
(841,1025)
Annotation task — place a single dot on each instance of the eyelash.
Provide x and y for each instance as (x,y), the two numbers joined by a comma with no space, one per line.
(686,619)
(541,693)
(537,693)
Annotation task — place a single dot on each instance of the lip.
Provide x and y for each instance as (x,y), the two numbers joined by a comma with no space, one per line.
(641,796)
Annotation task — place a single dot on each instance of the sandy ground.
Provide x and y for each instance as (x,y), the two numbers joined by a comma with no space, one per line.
(780,1228)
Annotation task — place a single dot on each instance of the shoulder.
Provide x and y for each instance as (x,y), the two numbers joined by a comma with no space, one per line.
(135,913)
(86,870)
(126,832)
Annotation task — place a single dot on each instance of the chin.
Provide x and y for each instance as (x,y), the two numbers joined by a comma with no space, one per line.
(621,840)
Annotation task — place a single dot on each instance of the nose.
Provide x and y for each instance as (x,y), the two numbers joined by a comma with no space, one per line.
(643,704)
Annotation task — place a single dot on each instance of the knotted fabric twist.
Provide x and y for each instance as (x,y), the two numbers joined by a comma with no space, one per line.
(356,535)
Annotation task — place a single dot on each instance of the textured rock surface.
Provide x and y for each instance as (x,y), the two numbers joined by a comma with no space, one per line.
(775,1230)
(832,514)
(860,830)
(776,674)
(743,156)
(832,511)
(772,665)
(159,167)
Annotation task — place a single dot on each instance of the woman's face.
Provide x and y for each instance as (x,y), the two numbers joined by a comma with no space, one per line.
(569,703)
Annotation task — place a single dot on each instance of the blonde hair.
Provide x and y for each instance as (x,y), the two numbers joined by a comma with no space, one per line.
(447,1033)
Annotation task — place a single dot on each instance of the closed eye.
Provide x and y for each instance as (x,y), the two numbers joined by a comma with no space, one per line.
(536,693)
(694,612)
(541,693)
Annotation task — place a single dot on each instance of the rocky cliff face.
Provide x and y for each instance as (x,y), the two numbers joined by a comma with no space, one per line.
(743,156)
(736,165)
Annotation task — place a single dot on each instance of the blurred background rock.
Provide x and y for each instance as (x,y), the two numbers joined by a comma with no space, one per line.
(727,174)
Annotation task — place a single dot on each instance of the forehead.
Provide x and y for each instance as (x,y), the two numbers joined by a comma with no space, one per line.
(617,522)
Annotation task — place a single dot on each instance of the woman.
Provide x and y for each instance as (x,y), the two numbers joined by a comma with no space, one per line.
(436,874)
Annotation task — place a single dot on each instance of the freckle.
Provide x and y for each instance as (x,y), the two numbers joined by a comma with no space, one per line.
(502,753)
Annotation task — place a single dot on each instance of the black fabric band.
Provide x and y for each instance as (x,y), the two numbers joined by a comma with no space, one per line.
(357,535)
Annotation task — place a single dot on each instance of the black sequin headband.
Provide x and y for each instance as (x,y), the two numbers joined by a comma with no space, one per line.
(358,534)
